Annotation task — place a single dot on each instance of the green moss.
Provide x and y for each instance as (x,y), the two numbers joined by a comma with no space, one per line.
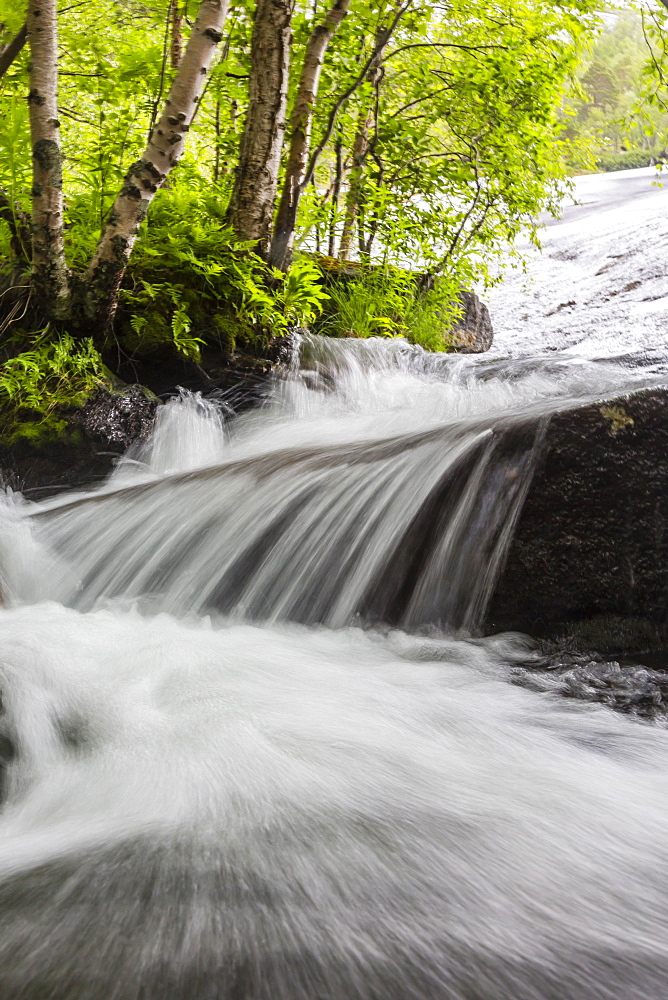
(42,431)
(618,418)
(231,332)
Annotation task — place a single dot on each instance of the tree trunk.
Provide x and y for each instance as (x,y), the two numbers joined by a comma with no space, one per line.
(163,151)
(50,275)
(338,180)
(302,117)
(19,224)
(176,41)
(360,151)
(252,205)
(12,49)
(354,195)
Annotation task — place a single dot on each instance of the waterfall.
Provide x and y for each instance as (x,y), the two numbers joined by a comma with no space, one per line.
(379,485)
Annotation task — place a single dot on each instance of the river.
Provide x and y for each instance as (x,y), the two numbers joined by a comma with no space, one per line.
(253,745)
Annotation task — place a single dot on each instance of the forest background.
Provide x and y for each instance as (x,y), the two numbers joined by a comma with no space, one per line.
(183,183)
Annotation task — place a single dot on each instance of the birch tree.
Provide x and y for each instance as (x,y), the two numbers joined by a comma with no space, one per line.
(50,273)
(252,206)
(147,174)
(300,131)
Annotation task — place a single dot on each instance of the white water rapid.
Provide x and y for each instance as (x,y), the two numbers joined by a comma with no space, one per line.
(251,745)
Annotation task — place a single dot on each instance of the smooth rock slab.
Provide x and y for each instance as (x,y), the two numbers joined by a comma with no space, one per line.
(589,560)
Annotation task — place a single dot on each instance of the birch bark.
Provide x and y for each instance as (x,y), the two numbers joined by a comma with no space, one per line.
(50,275)
(176,41)
(147,175)
(302,117)
(254,196)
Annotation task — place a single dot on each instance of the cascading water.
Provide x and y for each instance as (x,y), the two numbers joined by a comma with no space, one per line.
(207,795)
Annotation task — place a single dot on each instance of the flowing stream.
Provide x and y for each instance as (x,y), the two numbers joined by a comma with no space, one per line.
(252,744)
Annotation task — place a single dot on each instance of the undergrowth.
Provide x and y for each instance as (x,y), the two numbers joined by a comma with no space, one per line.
(390,302)
(48,378)
(192,286)
(191,281)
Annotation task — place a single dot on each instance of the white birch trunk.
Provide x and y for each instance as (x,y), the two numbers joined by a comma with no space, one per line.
(50,274)
(147,175)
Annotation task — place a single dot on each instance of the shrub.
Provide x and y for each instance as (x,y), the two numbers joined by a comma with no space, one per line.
(388,301)
(629,160)
(191,280)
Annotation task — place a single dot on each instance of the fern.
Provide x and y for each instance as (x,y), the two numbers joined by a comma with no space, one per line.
(59,373)
(189,268)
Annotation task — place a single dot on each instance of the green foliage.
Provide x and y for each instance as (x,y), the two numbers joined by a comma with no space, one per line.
(52,375)
(192,281)
(629,160)
(299,295)
(430,316)
(390,302)
(463,135)
(609,111)
(463,154)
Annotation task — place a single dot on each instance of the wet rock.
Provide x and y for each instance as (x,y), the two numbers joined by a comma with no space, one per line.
(80,449)
(239,380)
(589,560)
(117,419)
(41,466)
(473,332)
(632,688)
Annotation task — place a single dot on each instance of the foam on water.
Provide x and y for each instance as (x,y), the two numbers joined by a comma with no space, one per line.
(204,811)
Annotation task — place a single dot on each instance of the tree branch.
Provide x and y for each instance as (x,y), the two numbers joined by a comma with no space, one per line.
(384,38)
(13,49)
(444,45)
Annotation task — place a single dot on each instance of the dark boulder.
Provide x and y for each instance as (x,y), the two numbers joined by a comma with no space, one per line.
(80,449)
(114,420)
(240,380)
(589,560)
(473,333)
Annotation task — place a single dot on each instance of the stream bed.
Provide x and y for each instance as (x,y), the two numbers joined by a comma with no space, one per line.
(253,745)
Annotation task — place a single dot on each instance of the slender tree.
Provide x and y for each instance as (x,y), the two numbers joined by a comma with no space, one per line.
(50,273)
(361,149)
(302,116)
(254,196)
(383,35)
(148,173)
